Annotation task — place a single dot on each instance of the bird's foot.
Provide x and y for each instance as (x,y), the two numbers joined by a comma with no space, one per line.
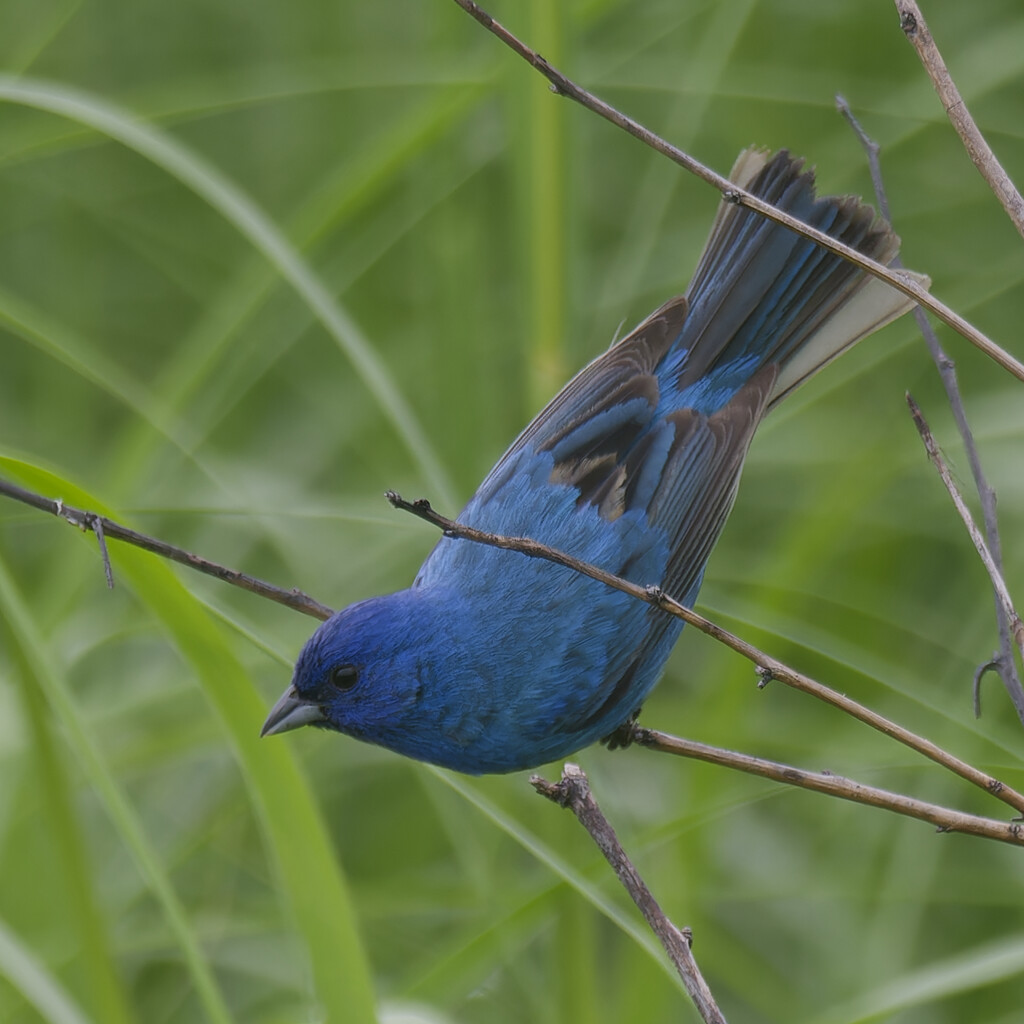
(624,735)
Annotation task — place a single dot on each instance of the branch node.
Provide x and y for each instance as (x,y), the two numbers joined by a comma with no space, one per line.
(873,148)
(641,735)
(732,196)
(76,517)
(479,13)
(550,790)
(764,676)
(570,791)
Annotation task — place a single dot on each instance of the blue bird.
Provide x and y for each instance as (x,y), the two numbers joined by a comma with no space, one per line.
(494,662)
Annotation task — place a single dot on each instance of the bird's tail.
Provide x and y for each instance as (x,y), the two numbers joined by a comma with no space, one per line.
(763,295)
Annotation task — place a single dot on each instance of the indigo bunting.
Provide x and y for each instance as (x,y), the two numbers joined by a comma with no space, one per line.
(492,661)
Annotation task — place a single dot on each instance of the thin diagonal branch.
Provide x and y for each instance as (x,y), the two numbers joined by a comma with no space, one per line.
(564,86)
(573,792)
(916,30)
(944,819)
(108,528)
(768,667)
(998,583)
(1004,663)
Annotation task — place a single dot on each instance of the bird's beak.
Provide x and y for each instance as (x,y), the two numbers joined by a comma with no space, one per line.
(290,712)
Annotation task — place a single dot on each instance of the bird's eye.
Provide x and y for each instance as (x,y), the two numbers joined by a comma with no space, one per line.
(344,677)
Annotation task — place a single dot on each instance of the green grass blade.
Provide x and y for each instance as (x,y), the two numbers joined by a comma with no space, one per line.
(82,908)
(973,969)
(310,877)
(29,975)
(41,331)
(102,780)
(249,219)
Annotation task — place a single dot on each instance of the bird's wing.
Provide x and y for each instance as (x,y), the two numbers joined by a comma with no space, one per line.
(697,484)
(606,436)
(598,429)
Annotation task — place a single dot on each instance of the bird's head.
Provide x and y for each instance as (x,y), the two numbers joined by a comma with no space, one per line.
(360,673)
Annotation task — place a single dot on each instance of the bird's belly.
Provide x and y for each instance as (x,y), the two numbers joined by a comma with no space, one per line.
(547,668)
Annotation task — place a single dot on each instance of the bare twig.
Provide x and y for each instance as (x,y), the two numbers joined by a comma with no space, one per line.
(768,667)
(994,664)
(902,282)
(107,528)
(998,583)
(1003,663)
(944,819)
(573,791)
(916,30)
(97,527)
(872,149)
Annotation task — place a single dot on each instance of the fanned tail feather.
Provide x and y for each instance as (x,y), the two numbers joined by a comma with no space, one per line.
(763,295)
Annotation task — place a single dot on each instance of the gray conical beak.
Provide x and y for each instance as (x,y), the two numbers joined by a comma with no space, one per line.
(290,712)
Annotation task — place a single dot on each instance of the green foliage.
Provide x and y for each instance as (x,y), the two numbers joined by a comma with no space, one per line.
(261,262)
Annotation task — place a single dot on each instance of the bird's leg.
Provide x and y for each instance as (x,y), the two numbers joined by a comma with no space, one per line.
(622,737)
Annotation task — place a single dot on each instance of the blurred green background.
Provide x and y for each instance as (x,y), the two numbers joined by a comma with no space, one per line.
(260,262)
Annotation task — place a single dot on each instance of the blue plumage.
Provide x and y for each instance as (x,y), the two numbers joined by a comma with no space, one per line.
(492,661)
